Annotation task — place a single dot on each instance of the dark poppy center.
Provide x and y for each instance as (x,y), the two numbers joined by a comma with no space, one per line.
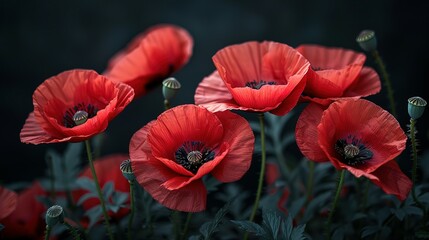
(69,118)
(352,151)
(193,154)
(258,84)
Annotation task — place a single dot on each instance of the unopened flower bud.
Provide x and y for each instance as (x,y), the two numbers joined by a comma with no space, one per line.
(127,170)
(54,215)
(170,87)
(367,40)
(416,107)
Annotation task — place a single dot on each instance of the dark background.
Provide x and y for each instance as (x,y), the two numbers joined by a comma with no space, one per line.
(39,39)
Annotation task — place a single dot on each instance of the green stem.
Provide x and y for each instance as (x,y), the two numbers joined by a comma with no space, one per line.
(130,220)
(67,187)
(262,172)
(334,203)
(177,222)
(47,232)
(415,159)
(97,185)
(386,80)
(166,104)
(52,179)
(186,227)
(72,230)
(310,180)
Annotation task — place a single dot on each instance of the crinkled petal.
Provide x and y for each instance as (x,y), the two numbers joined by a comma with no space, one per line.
(181,124)
(306,133)
(241,141)
(8,201)
(391,180)
(368,83)
(376,128)
(151,57)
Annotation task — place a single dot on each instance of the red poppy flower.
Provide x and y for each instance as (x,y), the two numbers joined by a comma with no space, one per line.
(170,155)
(107,169)
(337,73)
(27,220)
(151,57)
(253,76)
(8,200)
(356,135)
(58,99)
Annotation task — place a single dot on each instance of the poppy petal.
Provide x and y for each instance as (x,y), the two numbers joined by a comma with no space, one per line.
(152,174)
(338,65)
(306,133)
(167,134)
(213,94)
(392,180)
(151,57)
(368,83)
(8,201)
(241,140)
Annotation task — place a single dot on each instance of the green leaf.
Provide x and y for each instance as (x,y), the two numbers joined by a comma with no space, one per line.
(86,183)
(1,227)
(422,234)
(86,196)
(94,215)
(298,233)
(108,189)
(368,231)
(210,227)
(271,222)
(252,228)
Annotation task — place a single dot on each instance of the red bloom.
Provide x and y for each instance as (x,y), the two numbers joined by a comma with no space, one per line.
(337,73)
(356,135)
(58,98)
(28,219)
(151,57)
(253,76)
(107,169)
(8,200)
(170,155)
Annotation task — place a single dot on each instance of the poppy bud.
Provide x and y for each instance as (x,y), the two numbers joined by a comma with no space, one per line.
(54,215)
(416,107)
(126,170)
(367,40)
(170,87)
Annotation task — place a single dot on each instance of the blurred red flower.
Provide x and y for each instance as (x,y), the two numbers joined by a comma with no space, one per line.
(356,135)
(58,98)
(107,169)
(337,73)
(8,201)
(254,76)
(151,57)
(171,154)
(27,220)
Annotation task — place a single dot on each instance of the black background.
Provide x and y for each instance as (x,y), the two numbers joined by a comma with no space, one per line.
(39,39)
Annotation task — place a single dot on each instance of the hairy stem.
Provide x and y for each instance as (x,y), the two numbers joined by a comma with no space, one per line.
(334,203)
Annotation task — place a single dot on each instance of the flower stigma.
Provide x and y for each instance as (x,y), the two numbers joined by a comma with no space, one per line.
(78,114)
(352,151)
(193,154)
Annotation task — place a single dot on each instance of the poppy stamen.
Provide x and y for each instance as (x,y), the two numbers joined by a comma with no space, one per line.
(78,114)
(352,151)
(193,154)
(257,85)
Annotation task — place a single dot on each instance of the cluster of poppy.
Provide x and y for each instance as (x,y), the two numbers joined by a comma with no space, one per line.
(171,154)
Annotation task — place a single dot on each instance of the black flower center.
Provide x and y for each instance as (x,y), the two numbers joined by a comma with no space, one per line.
(70,115)
(352,151)
(193,154)
(258,84)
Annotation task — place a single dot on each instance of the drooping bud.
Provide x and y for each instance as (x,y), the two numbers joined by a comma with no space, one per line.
(54,215)
(416,107)
(367,40)
(80,117)
(170,87)
(127,170)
